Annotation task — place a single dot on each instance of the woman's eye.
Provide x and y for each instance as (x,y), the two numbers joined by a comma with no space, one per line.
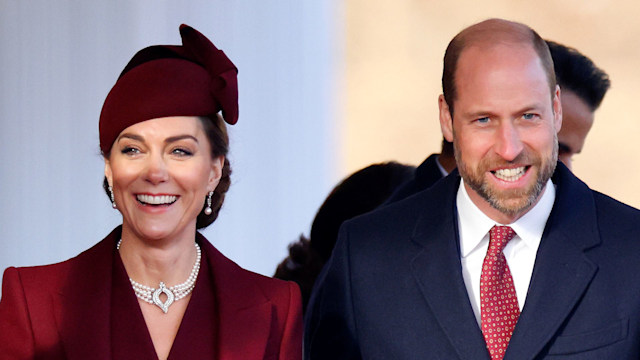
(181,152)
(130,150)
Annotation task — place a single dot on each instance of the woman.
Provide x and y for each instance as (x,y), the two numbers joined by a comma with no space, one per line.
(359,193)
(155,287)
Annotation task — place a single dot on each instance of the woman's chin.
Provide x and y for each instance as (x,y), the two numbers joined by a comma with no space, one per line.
(155,232)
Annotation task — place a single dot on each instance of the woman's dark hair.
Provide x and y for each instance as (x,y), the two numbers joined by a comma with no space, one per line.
(361,192)
(216,131)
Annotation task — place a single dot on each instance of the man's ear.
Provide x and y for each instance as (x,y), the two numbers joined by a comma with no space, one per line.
(446,121)
(557,109)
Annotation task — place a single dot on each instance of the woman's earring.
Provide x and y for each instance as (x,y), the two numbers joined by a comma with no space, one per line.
(113,199)
(207,210)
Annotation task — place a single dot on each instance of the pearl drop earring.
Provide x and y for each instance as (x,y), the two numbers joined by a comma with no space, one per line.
(113,199)
(207,210)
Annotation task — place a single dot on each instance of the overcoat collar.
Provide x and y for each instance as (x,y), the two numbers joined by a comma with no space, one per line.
(85,302)
(562,271)
(438,271)
(429,171)
(244,314)
(561,274)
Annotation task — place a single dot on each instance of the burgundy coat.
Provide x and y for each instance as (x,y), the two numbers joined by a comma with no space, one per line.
(63,311)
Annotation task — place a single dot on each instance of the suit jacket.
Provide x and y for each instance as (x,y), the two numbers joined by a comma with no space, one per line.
(425,175)
(63,311)
(393,288)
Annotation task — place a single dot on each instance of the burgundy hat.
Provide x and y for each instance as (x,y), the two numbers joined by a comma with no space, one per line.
(195,79)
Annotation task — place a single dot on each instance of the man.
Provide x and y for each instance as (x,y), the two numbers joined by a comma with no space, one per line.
(583,87)
(498,261)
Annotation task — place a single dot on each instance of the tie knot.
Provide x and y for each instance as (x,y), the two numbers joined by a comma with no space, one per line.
(499,236)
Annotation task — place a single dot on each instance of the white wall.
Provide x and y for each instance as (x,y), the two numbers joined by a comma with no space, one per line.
(58,60)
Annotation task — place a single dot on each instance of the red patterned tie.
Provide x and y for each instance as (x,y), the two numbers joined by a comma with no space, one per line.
(498,300)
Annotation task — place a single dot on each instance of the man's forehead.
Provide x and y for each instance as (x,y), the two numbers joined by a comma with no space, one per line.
(479,58)
(496,30)
(496,48)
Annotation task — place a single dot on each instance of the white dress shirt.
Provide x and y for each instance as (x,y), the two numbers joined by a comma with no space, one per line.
(520,252)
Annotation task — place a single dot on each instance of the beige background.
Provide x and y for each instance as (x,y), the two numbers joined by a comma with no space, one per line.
(394,49)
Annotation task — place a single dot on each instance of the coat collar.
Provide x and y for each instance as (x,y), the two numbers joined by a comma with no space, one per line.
(438,271)
(561,274)
(429,171)
(244,314)
(85,305)
(562,271)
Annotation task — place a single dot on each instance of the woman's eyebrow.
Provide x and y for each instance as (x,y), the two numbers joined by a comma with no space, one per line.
(131,136)
(180,137)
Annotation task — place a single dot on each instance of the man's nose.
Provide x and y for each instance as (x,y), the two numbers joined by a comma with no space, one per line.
(508,143)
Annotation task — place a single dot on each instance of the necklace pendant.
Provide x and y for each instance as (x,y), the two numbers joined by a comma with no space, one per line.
(164,306)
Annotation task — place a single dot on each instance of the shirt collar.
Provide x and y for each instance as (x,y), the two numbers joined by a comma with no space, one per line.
(474,224)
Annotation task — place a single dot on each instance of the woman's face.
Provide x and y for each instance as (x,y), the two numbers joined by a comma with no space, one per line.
(161,171)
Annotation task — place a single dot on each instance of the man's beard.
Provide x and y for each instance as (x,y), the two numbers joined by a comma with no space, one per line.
(511,201)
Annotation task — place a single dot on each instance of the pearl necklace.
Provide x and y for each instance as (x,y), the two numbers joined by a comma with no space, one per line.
(173,293)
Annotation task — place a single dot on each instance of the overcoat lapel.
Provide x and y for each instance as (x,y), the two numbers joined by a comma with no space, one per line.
(84,303)
(244,317)
(562,271)
(438,271)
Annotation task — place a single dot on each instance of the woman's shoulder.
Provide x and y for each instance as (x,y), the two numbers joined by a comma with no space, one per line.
(233,276)
(35,279)
(52,275)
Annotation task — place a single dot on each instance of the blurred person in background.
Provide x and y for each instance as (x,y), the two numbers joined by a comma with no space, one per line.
(359,193)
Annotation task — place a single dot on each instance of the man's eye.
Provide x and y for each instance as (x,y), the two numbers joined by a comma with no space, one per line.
(528,116)
(483,120)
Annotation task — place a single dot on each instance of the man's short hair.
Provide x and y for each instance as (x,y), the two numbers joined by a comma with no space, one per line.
(577,73)
(488,31)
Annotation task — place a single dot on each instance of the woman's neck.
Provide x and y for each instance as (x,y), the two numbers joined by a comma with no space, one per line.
(150,261)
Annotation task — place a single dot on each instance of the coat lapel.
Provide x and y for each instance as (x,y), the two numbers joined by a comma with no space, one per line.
(244,317)
(437,269)
(562,272)
(83,306)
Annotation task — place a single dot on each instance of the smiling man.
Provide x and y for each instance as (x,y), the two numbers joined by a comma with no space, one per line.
(583,87)
(510,257)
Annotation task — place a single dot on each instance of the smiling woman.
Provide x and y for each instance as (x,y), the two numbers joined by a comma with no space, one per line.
(155,281)
(160,171)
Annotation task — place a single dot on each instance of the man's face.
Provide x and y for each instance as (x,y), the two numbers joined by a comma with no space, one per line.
(577,119)
(504,128)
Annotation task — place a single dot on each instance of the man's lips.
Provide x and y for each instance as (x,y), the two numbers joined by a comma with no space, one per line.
(510,175)
(147,199)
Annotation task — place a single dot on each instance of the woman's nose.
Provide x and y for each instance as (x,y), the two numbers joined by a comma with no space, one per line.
(156,171)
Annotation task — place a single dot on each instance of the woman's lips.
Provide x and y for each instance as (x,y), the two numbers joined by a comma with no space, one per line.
(147,199)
